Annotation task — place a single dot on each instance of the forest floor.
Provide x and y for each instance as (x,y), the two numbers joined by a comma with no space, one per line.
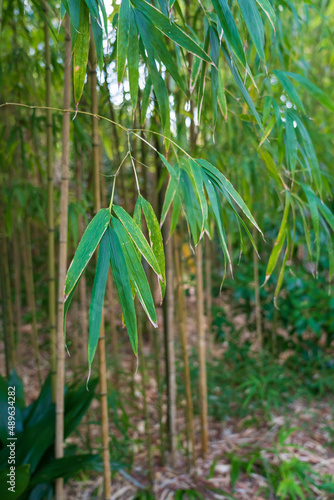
(249,455)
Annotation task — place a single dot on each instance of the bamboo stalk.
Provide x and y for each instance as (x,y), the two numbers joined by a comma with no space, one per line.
(82,351)
(4,316)
(101,344)
(31,298)
(169,343)
(11,358)
(181,309)
(65,172)
(208,289)
(201,349)
(142,367)
(257,294)
(51,229)
(18,303)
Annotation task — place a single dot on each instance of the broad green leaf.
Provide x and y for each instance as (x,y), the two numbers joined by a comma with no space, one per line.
(138,239)
(279,240)
(326,213)
(241,86)
(169,28)
(87,246)
(315,92)
(227,186)
(137,216)
(312,203)
(133,60)
(291,143)
(231,33)
(254,24)
(122,37)
(136,272)
(122,282)
(97,299)
(268,10)
(155,238)
(81,50)
(74,11)
(289,89)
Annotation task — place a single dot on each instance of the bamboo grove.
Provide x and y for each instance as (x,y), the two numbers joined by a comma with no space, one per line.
(143,146)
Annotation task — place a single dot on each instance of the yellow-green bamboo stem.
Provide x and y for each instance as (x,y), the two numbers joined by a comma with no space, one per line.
(51,228)
(181,309)
(169,337)
(142,367)
(18,304)
(101,345)
(31,299)
(201,349)
(257,294)
(208,288)
(65,173)
(8,303)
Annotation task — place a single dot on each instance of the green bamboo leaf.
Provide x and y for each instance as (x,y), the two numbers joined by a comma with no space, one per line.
(289,89)
(158,82)
(93,8)
(169,197)
(155,238)
(241,86)
(214,42)
(104,15)
(162,52)
(74,13)
(326,213)
(309,151)
(226,186)
(133,60)
(122,282)
(279,240)
(136,272)
(291,143)
(173,171)
(268,10)
(146,99)
(281,273)
(170,29)
(81,50)
(231,33)
(122,37)
(97,299)
(196,174)
(177,205)
(254,24)
(87,246)
(191,206)
(312,203)
(215,205)
(313,90)
(221,96)
(137,216)
(138,239)
(98,40)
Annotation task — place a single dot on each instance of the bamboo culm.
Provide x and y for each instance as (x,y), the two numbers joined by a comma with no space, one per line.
(65,172)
